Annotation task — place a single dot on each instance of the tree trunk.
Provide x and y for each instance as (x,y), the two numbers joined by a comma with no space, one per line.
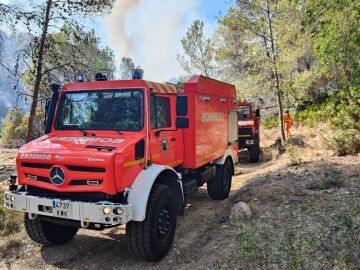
(276,74)
(38,77)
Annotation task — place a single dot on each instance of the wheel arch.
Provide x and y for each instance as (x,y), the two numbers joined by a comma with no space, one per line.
(228,155)
(140,190)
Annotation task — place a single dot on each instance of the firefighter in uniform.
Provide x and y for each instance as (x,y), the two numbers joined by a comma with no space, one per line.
(288,121)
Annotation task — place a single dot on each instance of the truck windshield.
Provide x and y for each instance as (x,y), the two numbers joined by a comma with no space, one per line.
(245,113)
(120,110)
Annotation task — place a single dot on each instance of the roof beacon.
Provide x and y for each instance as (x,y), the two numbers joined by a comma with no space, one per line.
(137,74)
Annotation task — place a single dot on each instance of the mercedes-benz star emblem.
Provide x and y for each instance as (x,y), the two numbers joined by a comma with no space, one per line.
(57,175)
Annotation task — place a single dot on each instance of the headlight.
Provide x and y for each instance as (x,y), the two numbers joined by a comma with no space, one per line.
(118,211)
(106,210)
(7,197)
(12,198)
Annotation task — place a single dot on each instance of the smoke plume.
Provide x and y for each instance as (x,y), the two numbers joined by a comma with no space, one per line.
(149,31)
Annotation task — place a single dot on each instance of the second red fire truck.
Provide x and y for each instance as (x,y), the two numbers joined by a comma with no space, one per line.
(126,152)
(249,129)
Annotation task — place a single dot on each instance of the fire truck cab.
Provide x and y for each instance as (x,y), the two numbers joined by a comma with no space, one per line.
(126,152)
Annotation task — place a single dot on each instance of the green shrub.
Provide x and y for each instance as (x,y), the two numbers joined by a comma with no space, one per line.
(346,123)
(294,155)
(333,180)
(270,122)
(343,114)
(10,127)
(345,142)
(14,127)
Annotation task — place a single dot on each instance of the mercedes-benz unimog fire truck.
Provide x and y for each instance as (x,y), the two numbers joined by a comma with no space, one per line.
(249,129)
(126,152)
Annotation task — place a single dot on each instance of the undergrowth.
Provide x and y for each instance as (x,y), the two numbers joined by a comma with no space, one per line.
(270,122)
(343,116)
(302,239)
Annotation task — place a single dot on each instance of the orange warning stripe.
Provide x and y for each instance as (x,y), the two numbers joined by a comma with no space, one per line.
(162,88)
(133,163)
(159,87)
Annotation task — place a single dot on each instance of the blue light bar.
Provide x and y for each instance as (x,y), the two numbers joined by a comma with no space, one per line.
(137,74)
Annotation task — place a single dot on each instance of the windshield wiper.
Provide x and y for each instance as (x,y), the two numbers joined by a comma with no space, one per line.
(120,132)
(85,133)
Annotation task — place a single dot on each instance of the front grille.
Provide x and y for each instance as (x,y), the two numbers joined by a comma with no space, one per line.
(38,178)
(85,182)
(85,169)
(245,131)
(36,165)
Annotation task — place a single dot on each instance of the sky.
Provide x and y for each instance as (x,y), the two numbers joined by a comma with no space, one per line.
(149,31)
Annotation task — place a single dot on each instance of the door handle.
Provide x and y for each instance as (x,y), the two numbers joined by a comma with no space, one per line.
(173,139)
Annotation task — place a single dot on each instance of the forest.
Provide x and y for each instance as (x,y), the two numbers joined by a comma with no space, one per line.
(301,55)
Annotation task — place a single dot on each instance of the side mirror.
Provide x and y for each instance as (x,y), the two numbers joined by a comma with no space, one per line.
(182,122)
(51,107)
(140,149)
(257,112)
(181,105)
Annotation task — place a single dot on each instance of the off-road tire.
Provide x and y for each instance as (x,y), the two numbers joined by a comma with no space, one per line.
(152,238)
(47,233)
(254,152)
(219,186)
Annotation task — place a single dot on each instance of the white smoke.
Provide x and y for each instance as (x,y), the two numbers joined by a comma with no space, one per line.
(149,31)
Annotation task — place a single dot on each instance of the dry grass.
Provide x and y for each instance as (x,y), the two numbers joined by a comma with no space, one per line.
(7,156)
(9,247)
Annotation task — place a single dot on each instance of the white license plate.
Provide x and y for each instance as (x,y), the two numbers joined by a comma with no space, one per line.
(249,142)
(62,209)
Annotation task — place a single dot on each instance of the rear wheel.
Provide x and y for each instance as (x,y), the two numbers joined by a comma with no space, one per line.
(152,238)
(47,233)
(254,153)
(219,187)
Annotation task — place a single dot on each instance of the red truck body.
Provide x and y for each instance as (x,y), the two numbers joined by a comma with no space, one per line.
(91,172)
(209,104)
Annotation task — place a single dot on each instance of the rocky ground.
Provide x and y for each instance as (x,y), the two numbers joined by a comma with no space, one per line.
(305,214)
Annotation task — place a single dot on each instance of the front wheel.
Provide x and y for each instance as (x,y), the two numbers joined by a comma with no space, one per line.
(254,153)
(152,238)
(219,186)
(47,233)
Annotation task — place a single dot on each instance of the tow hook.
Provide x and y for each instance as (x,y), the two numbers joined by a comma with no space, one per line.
(32,216)
(84,224)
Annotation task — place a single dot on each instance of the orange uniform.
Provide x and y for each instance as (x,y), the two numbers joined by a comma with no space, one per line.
(288,121)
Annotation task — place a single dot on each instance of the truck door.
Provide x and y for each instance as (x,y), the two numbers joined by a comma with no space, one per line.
(165,140)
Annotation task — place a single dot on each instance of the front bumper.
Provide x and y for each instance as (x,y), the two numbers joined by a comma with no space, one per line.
(85,212)
(247,142)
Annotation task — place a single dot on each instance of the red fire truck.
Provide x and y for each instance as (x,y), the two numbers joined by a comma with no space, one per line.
(125,152)
(249,132)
